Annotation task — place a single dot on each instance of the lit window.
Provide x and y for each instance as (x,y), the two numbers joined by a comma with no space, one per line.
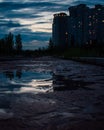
(93,32)
(103,21)
(93,16)
(90,24)
(66,33)
(89,32)
(90,41)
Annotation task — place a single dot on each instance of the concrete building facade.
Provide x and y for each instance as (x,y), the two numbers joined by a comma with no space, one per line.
(82,26)
(77,23)
(60,30)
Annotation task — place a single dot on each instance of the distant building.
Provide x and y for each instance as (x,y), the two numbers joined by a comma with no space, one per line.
(99,23)
(83,26)
(77,24)
(60,30)
(86,24)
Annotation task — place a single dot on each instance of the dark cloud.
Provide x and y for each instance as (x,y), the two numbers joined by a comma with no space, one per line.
(14,5)
(35,45)
(88,2)
(10,24)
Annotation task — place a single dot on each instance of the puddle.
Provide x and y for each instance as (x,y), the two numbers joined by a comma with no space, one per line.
(62,83)
(25,81)
(17,81)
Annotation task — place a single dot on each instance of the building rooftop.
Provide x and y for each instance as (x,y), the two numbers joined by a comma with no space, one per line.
(60,14)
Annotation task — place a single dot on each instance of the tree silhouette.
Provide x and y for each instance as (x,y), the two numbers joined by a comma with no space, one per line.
(9,43)
(2,46)
(18,42)
(50,44)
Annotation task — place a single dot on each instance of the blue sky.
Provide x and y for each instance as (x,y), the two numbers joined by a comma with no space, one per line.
(33,19)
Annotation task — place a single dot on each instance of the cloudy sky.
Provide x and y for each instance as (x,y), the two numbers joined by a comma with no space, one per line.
(33,18)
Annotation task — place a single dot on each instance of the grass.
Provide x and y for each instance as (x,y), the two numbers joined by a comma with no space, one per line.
(83,52)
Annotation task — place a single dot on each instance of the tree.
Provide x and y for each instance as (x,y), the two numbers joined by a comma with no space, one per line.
(50,44)
(2,46)
(18,42)
(9,42)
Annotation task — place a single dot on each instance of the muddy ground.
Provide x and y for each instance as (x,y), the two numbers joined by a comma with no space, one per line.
(80,106)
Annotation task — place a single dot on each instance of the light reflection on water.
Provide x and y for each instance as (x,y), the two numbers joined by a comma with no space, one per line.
(20,81)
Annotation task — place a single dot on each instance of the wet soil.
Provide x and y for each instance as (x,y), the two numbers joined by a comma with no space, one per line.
(80,107)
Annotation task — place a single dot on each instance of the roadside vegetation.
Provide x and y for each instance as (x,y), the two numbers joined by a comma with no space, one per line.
(90,50)
(11,45)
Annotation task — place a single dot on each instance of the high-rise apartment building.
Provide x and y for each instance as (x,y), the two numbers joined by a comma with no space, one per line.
(99,23)
(60,30)
(77,23)
(83,26)
(86,24)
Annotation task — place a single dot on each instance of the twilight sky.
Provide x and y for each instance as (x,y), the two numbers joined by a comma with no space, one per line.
(33,19)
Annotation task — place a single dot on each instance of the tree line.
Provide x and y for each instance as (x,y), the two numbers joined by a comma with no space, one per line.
(11,44)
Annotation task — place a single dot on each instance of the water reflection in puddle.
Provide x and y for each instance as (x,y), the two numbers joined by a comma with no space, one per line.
(19,81)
